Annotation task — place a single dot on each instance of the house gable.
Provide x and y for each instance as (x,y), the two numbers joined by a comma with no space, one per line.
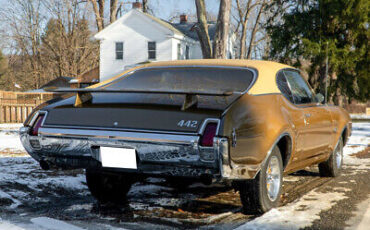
(137,17)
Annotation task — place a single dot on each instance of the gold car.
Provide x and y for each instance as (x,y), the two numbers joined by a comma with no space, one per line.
(246,123)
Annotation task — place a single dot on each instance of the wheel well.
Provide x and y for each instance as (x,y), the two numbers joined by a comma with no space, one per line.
(285,147)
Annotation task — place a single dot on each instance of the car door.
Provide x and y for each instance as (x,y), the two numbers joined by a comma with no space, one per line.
(317,129)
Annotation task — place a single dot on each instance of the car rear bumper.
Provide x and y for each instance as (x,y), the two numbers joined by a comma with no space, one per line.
(157,153)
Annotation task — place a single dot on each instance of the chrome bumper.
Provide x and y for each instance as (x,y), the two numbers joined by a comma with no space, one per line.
(163,154)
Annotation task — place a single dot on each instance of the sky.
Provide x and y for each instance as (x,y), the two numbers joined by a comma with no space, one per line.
(165,8)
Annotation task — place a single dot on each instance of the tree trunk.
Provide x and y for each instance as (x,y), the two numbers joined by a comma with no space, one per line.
(242,40)
(243,20)
(145,6)
(222,30)
(202,29)
(113,10)
(97,12)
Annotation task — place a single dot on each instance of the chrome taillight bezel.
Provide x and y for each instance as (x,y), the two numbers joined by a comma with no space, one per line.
(203,128)
(35,120)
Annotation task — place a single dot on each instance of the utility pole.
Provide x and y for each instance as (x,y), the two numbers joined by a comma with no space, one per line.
(326,73)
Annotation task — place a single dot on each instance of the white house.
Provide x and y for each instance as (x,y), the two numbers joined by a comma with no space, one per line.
(138,37)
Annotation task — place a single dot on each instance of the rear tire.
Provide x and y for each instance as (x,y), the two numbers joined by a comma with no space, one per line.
(333,166)
(263,193)
(108,188)
(179,183)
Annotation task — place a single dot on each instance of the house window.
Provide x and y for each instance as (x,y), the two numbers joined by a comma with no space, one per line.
(152,50)
(119,50)
(187,52)
(179,51)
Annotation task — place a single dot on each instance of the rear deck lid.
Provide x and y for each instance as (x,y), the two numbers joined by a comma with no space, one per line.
(150,111)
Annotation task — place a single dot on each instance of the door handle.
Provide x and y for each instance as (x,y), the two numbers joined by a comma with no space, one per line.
(308,115)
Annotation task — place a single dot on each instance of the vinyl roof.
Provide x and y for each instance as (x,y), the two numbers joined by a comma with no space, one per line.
(266,71)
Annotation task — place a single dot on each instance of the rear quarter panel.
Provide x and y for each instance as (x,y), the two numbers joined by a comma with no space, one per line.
(258,122)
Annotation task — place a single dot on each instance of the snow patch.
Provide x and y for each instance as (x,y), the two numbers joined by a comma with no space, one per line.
(360,116)
(305,211)
(53,224)
(15,202)
(9,226)
(80,207)
(11,125)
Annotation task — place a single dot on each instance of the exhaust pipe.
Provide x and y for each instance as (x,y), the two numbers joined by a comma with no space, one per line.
(44,165)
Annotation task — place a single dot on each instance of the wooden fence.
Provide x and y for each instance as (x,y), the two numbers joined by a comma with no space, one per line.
(16,106)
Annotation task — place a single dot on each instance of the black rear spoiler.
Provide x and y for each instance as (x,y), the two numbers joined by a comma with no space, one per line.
(84,95)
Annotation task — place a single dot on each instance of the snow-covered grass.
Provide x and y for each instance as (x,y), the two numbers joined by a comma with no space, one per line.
(305,211)
(9,138)
(10,126)
(360,116)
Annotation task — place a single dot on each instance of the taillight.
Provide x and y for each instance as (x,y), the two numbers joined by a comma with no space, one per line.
(37,125)
(209,133)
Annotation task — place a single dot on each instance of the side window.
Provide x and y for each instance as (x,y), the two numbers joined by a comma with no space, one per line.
(152,50)
(283,86)
(301,92)
(178,51)
(119,50)
(187,52)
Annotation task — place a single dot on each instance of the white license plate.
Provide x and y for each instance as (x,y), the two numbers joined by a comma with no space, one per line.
(118,157)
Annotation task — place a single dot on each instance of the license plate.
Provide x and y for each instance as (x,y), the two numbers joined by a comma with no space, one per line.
(118,157)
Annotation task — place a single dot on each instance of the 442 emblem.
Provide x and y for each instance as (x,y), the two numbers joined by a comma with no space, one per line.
(188,123)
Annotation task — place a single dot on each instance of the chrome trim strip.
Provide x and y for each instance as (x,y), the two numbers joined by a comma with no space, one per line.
(117,129)
(116,135)
(33,120)
(200,131)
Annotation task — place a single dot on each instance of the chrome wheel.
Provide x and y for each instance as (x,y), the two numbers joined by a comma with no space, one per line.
(273,178)
(339,157)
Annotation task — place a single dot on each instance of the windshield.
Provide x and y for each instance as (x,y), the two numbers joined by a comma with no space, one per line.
(203,79)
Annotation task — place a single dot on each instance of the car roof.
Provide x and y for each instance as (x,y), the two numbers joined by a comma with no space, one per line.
(265,83)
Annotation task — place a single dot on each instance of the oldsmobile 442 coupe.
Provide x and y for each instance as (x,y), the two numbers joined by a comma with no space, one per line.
(245,123)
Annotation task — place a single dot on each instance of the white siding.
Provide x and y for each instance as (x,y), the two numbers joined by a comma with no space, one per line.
(135,32)
(194,49)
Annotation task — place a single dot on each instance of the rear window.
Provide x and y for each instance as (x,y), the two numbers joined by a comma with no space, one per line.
(204,79)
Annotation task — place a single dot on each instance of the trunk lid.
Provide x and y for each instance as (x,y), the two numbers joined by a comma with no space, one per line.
(136,111)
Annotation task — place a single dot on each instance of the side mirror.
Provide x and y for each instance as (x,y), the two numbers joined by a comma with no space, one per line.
(320,98)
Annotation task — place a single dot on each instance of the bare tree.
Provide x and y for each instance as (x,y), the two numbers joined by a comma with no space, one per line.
(25,22)
(113,10)
(255,28)
(66,45)
(98,7)
(222,30)
(244,9)
(202,29)
(47,38)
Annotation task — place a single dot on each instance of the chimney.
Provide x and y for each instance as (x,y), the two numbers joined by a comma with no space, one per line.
(137,5)
(183,18)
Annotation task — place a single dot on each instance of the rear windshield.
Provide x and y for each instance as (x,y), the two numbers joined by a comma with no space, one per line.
(203,79)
